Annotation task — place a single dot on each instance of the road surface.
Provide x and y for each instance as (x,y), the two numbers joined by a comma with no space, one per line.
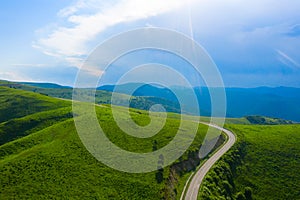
(193,188)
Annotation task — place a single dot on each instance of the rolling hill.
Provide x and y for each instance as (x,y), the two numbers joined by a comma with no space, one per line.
(264,164)
(41,155)
(44,85)
(101,97)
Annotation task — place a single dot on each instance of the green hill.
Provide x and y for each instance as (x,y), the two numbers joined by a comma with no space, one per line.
(18,103)
(101,96)
(264,164)
(44,85)
(19,127)
(42,157)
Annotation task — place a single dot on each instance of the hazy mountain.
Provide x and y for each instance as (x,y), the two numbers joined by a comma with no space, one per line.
(44,85)
(279,102)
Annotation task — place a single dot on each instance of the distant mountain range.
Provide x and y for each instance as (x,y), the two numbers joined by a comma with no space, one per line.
(44,85)
(279,102)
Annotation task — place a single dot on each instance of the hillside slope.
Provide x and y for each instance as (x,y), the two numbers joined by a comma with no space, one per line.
(41,155)
(264,164)
(16,103)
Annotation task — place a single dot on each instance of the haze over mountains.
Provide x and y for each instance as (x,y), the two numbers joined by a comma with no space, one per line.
(278,102)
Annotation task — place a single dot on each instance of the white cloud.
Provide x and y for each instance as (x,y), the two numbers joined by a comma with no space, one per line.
(72,9)
(14,76)
(28,65)
(240,35)
(88,18)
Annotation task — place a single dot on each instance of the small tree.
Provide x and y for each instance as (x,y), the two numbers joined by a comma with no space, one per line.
(248,193)
(154,146)
(240,196)
(159,175)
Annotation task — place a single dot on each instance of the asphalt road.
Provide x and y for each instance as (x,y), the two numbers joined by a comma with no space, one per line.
(193,188)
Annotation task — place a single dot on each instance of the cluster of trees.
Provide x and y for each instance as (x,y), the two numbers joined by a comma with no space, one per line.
(266,121)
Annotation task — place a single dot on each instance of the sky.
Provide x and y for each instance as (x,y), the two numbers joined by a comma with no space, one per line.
(253,43)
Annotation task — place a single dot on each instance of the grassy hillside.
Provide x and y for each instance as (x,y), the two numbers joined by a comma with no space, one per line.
(16,103)
(54,164)
(101,96)
(19,127)
(264,164)
(41,155)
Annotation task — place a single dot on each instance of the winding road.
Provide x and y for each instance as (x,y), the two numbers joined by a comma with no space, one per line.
(194,186)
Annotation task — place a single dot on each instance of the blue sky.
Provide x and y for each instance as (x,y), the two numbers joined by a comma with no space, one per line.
(254,43)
